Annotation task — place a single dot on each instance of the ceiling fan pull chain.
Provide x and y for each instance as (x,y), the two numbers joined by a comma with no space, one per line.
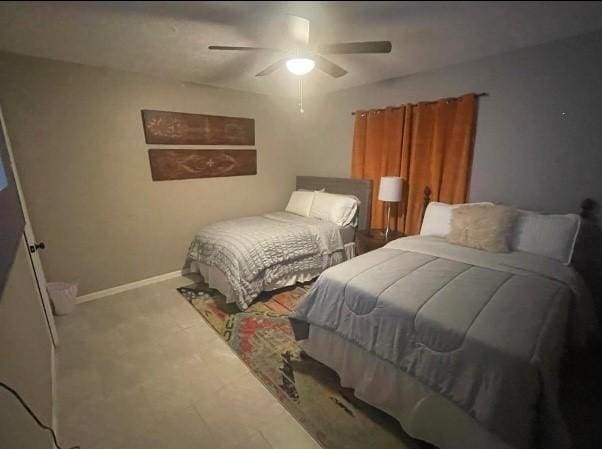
(300,95)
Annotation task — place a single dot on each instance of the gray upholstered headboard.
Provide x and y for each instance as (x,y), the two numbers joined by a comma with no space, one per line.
(362,188)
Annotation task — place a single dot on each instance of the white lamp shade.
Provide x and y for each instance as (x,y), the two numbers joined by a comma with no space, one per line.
(390,189)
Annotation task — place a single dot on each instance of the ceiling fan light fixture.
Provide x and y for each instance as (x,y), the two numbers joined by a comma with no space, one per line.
(300,66)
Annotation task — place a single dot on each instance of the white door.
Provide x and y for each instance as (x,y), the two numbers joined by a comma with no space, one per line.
(32,244)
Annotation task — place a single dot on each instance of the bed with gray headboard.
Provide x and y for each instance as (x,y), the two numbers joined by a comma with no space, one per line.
(361,188)
(248,255)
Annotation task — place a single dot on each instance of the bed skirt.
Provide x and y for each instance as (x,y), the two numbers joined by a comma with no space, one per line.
(217,280)
(422,413)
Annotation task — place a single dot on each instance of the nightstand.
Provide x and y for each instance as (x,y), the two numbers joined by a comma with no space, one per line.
(373,238)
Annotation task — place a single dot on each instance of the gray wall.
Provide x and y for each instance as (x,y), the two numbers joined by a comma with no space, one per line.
(539,133)
(79,146)
(26,354)
(78,140)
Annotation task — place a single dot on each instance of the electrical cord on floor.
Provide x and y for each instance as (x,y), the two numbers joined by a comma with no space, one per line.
(39,423)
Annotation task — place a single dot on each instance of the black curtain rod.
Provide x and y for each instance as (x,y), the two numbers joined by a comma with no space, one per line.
(482,94)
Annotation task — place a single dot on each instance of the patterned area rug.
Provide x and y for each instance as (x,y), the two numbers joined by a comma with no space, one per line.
(310,391)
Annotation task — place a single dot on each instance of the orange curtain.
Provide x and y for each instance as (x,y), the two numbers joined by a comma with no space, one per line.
(427,144)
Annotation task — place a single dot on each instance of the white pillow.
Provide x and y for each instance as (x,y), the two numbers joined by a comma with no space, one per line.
(300,202)
(338,209)
(437,218)
(552,236)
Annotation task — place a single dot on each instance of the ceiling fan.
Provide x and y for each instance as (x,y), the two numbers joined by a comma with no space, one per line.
(302,59)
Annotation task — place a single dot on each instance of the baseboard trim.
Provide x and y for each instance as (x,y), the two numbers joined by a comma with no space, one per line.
(132,285)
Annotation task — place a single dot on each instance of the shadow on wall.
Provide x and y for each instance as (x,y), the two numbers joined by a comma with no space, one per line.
(588,250)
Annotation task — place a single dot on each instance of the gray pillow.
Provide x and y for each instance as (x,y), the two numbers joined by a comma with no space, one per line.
(483,227)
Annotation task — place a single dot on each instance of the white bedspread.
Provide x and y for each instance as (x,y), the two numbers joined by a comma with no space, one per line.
(486,331)
(253,252)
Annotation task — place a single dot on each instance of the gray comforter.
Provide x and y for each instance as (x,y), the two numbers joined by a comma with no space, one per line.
(484,330)
(256,251)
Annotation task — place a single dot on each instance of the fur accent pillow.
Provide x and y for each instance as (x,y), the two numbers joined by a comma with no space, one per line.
(483,227)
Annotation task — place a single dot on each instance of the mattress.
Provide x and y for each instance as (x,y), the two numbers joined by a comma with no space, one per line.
(484,331)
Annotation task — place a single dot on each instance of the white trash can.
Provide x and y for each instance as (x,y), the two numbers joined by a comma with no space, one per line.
(62,295)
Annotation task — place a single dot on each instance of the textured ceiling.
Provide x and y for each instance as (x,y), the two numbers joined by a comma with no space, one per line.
(170,39)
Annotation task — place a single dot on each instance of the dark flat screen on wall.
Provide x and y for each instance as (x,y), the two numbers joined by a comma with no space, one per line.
(11,215)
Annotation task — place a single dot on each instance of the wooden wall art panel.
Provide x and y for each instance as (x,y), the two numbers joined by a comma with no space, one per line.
(168,164)
(179,128)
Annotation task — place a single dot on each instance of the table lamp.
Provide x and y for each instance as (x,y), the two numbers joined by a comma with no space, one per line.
(389,192)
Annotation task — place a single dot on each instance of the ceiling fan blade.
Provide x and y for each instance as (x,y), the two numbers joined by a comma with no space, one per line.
(298,29)
(272,67)
(329,67)
(345,48)
(227,47)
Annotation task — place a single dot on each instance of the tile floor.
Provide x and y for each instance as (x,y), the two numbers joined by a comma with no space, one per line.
(142,369)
